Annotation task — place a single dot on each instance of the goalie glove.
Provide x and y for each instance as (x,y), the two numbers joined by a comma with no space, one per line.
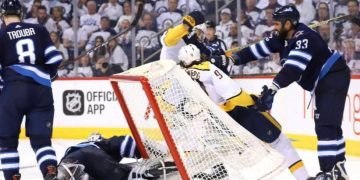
(266,98)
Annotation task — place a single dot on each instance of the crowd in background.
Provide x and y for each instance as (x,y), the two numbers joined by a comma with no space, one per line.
(100,19)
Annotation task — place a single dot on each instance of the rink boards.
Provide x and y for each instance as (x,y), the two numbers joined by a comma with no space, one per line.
(89,105)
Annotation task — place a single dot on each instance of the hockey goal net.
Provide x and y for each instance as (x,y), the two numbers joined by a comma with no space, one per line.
(164,106)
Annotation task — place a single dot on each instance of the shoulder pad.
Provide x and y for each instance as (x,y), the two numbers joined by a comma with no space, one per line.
(204,66)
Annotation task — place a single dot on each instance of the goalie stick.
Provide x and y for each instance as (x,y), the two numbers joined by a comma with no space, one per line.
(132,25)
(351,18)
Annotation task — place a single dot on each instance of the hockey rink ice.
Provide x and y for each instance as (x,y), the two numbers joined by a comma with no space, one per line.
(30,171)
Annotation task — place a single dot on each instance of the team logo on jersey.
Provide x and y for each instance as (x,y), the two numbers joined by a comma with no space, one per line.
(167,23)
(73,102)
(145,41)
(299,33)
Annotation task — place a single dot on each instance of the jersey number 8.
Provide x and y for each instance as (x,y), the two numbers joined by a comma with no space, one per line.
(25,48)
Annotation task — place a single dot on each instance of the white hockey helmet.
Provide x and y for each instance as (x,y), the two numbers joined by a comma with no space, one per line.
(189,54)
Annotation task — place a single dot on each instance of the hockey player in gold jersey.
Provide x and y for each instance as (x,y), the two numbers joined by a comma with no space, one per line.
(240,106)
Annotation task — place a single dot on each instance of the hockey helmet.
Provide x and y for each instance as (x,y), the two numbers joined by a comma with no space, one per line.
(288,12)
(11,7)
(188,55)
(210,24)
(95,137)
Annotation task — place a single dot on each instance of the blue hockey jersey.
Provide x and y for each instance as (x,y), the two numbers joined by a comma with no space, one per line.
(302,56)
(26,51)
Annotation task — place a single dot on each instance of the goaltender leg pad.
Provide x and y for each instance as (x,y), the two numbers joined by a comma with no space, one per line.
(256,123)
(152,169)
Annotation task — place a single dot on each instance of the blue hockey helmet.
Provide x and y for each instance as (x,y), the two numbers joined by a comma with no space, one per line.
(11,7)
(288,12)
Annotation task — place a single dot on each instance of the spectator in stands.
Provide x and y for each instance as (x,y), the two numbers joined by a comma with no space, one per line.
(233,35)
(148,23)
(265,26)
(65,5)
(127,8)
(340,7)
(324,31)
(118,60)
(100,52)
(90,21)
(273,65)
(113,10)
(306,9)
(252,11)
(105,32)
(322,12)
(82,9)
(348,46)
(44,19)
(160,6)
(55,38)
(251,68)
(31,13)
(353,9)
(170,17)
(84,69)
(193,5)
(246,20)
(60,22)
(225,23)
(102,68)
(212,42)
(125,39)
(273,4)
(100,2)
(354,32)
(146,41)
(68,37)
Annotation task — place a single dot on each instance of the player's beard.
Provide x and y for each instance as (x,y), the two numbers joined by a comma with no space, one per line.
(283,34)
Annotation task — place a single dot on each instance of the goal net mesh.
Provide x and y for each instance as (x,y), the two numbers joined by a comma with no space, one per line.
(210,144)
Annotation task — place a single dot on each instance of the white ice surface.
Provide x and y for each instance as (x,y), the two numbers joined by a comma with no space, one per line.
(30,171)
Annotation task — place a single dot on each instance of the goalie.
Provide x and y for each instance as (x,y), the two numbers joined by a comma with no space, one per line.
(240,106)
(98,158)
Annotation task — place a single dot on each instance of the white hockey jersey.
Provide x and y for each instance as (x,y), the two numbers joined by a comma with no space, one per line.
(219,86)
(172,41)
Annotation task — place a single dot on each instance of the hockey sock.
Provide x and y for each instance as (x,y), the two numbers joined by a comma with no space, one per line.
(329,151)
(341,150)
(45,157)
(9,162)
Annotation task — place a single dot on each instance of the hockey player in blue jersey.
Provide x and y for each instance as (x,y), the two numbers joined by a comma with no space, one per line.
(29,60)
(306,59)
(99,157)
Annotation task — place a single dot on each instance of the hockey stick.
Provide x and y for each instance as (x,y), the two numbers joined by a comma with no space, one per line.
(23,167)
(132,25)
(351,18)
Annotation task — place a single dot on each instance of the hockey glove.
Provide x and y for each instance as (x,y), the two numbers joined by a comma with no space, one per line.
(266,98)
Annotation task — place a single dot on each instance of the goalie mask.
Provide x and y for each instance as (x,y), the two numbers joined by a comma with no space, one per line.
(189,55)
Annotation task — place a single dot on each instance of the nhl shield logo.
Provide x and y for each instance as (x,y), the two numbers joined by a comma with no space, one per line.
(73,102)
